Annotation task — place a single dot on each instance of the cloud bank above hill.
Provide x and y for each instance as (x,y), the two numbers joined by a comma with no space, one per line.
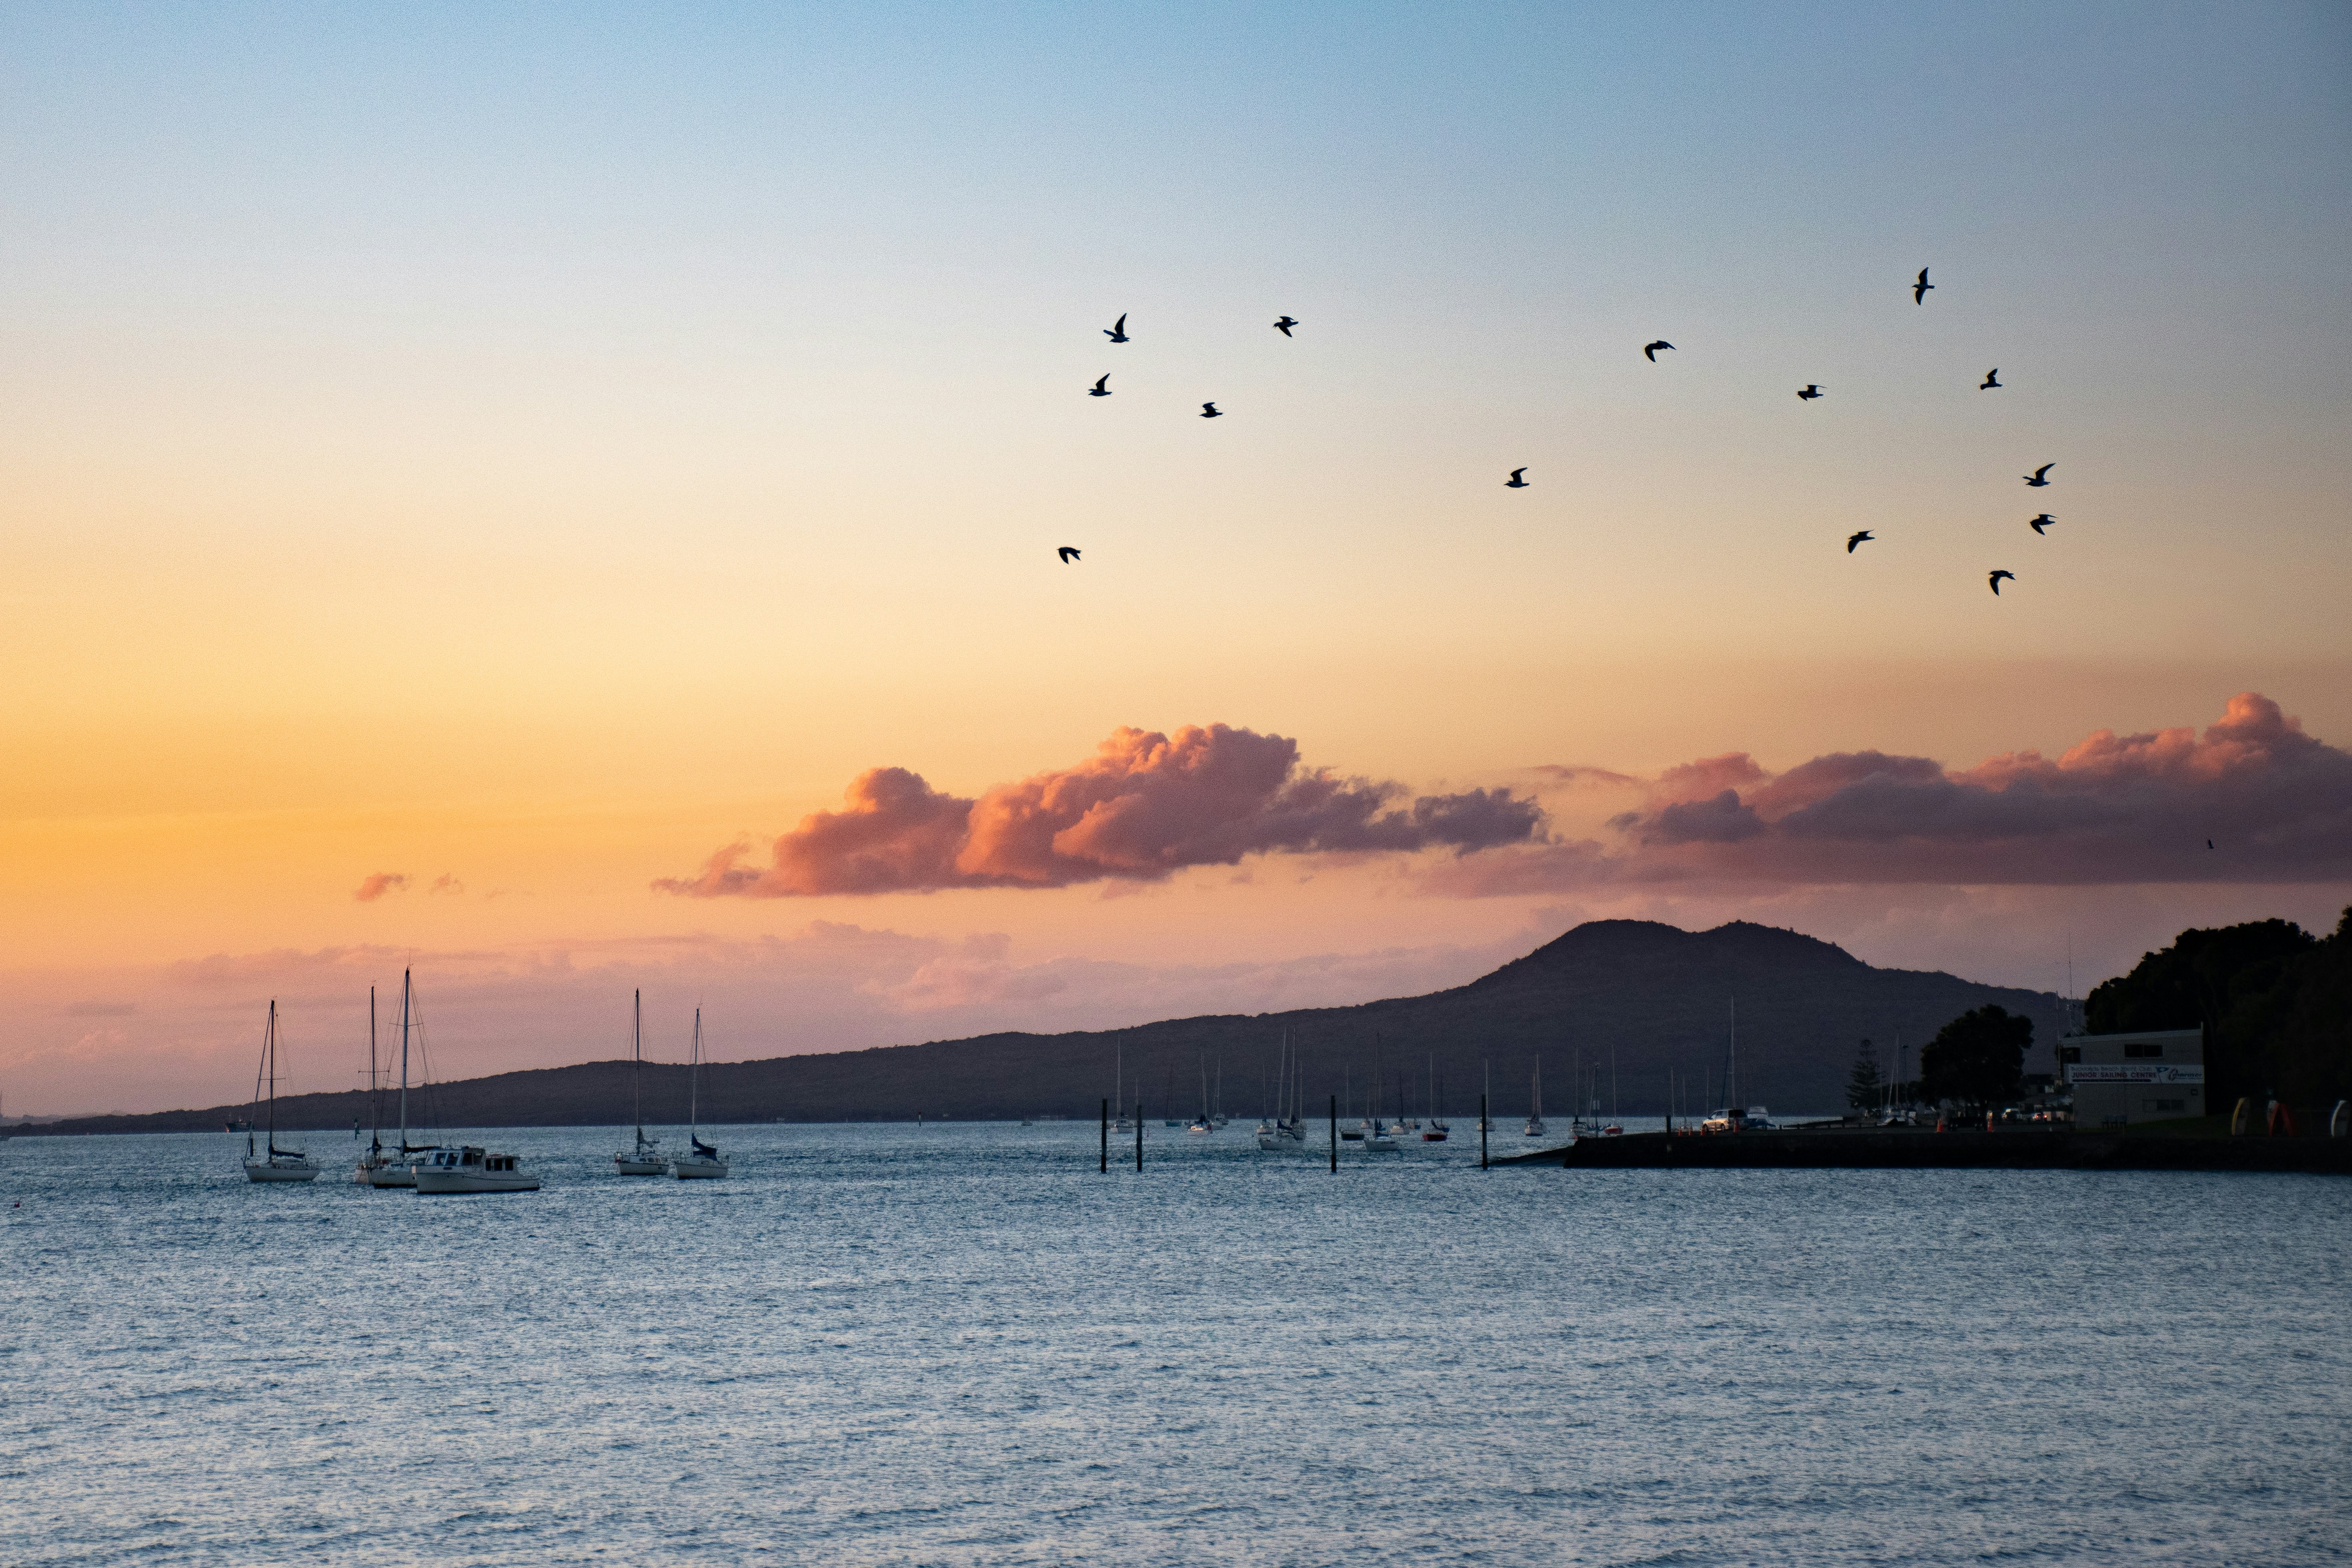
(1145,806)
(2273,803)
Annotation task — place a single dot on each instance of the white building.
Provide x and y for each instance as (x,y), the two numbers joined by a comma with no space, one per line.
(2117,1079)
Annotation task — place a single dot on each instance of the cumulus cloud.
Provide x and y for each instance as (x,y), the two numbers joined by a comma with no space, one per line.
(377,884)
(2275,803)
(1144,808)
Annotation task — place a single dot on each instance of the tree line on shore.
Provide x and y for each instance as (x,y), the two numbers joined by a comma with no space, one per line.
(2275,1003)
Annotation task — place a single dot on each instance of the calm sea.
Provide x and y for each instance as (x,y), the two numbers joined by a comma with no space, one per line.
(960,1344)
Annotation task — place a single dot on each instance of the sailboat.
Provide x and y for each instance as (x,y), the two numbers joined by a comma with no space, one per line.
(375,1159)
(1535,1118)
(1379,1138)
(1201,1123)
(701,1163)
(647,1159)
(1616,1128)
(400,1170)
(1437,1128)
(1268,1136)
(1119,1123)
(278,1164)
(1297,1131)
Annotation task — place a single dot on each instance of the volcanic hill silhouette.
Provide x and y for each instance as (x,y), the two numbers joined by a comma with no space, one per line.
(1661,996)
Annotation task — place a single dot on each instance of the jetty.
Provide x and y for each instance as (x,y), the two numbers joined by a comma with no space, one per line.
(1919,1149)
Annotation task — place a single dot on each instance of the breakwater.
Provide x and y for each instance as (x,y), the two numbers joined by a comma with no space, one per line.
(1908,1149)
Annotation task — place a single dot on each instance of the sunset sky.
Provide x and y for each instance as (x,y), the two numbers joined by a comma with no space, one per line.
(488,487)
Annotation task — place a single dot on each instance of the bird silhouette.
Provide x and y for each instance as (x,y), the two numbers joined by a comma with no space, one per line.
(1995,580)
(1919,289)
(1284,326)
(1210,411)
(1650,351)
(2035,478)
(1117,330)
(2209,844)
(1515,482)
(1068,552)
(2040,523)
(1865,537)
(1808,391)
(1100,389)
(1992,380)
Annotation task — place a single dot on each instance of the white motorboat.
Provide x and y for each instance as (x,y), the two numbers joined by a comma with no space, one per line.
(646,1158)
(701,1162)
(278,1164)
(472,1170)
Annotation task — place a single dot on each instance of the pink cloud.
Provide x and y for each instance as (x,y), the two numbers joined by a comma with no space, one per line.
(377,884)
(446,882)
(2275,803)
(1144,806)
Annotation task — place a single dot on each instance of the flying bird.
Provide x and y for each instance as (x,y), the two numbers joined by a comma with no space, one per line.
(1100,389)
(2040,523)
(1865,537)
(1808,391)
(1650,351)
(1210,411)
(2209,844)
(1919,289)
(1117,330)
(1992,380)
(1068,552)
(1995,580)
(1284,326)
(2035,478)
(1515,482)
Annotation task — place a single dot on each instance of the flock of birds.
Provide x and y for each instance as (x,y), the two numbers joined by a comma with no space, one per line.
(1920,287)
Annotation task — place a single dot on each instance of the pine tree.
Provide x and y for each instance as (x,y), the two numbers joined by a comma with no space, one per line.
(1976,1059)
(1862,1086)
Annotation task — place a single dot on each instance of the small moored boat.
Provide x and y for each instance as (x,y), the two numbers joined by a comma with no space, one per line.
(278,1164)
(472,1170)
(647,1159)
(701,1163)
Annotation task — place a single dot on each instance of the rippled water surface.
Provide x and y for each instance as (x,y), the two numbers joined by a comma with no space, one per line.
(962,1345)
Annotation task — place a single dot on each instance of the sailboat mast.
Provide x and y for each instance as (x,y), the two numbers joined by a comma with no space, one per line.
(694,1081)
(1731,1063)
(404,1061)
(269,1048)
(375,1088)
(637,1052)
